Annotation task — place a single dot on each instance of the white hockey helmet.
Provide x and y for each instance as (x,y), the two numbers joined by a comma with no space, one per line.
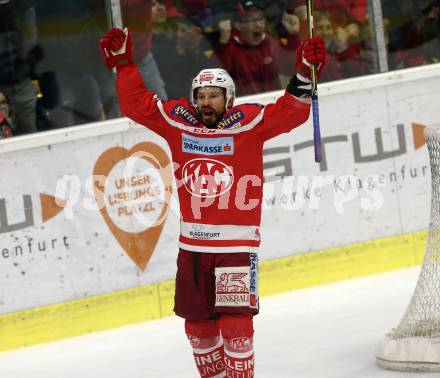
(214,77)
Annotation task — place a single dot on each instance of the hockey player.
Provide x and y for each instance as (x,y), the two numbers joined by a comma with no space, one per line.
(217,150)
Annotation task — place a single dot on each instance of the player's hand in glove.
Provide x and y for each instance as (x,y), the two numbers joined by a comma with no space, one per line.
(311,51)
(116,48)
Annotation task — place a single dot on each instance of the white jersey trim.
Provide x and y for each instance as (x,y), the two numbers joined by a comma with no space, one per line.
(219,231)
(179,125)
(208,249)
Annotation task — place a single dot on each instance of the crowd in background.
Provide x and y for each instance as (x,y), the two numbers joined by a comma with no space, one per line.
(413,32)
(51,75)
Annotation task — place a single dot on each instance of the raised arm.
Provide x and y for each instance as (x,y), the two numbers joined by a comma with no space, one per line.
(292,109)
(287,113)
(135,101)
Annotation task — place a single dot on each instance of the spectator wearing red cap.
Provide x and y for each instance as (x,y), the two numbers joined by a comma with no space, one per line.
(252,56)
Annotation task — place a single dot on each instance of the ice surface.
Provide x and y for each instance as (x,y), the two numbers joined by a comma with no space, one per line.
(329,331)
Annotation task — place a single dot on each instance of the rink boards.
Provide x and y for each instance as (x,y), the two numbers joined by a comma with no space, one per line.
(71,265)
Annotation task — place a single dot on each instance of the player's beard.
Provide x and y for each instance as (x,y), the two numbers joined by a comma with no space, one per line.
(210,117)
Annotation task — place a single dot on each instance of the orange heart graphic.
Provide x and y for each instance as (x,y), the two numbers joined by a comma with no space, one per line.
(418,135)
(125,201)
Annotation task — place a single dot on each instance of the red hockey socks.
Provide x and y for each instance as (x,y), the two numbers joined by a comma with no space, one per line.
(237,332)
(230,357)
(204,336)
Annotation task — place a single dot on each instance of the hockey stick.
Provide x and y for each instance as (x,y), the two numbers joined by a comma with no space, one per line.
(315,106)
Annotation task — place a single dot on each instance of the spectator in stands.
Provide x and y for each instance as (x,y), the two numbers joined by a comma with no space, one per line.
(324,29)
(75,90)
(192,52)
(8,121)
(198,13)
(343,24)
(252,56)
(343,47)
(287,28)
(341,12)
(205,14)
(137,15)
(17,45)
(348,49)
(180,50)
(403,32)
(429,29)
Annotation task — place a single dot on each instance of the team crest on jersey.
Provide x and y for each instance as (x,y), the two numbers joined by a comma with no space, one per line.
(232,121)
(207,146)
(185,114)
(207,178)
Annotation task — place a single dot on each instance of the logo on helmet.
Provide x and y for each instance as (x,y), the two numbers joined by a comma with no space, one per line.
(206,77)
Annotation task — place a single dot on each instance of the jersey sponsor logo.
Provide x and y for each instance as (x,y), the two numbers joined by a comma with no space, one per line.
(210,364)
(203,131)
(232,283)
(207,178)
(198,232)
(232,286)
(253,281)
(205,146)
(232,121)
(187,115)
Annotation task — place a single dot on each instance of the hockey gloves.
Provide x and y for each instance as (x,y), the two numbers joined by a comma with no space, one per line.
(116,48)
(311,51)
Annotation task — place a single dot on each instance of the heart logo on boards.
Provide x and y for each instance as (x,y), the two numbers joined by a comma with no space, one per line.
(133,190)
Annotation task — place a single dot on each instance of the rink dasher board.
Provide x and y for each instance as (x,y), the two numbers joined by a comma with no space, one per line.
(85,275)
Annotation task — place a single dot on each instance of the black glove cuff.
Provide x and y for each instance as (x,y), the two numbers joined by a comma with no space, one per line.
(300,87)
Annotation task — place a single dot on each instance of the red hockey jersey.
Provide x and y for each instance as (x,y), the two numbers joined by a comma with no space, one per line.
(219,172)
